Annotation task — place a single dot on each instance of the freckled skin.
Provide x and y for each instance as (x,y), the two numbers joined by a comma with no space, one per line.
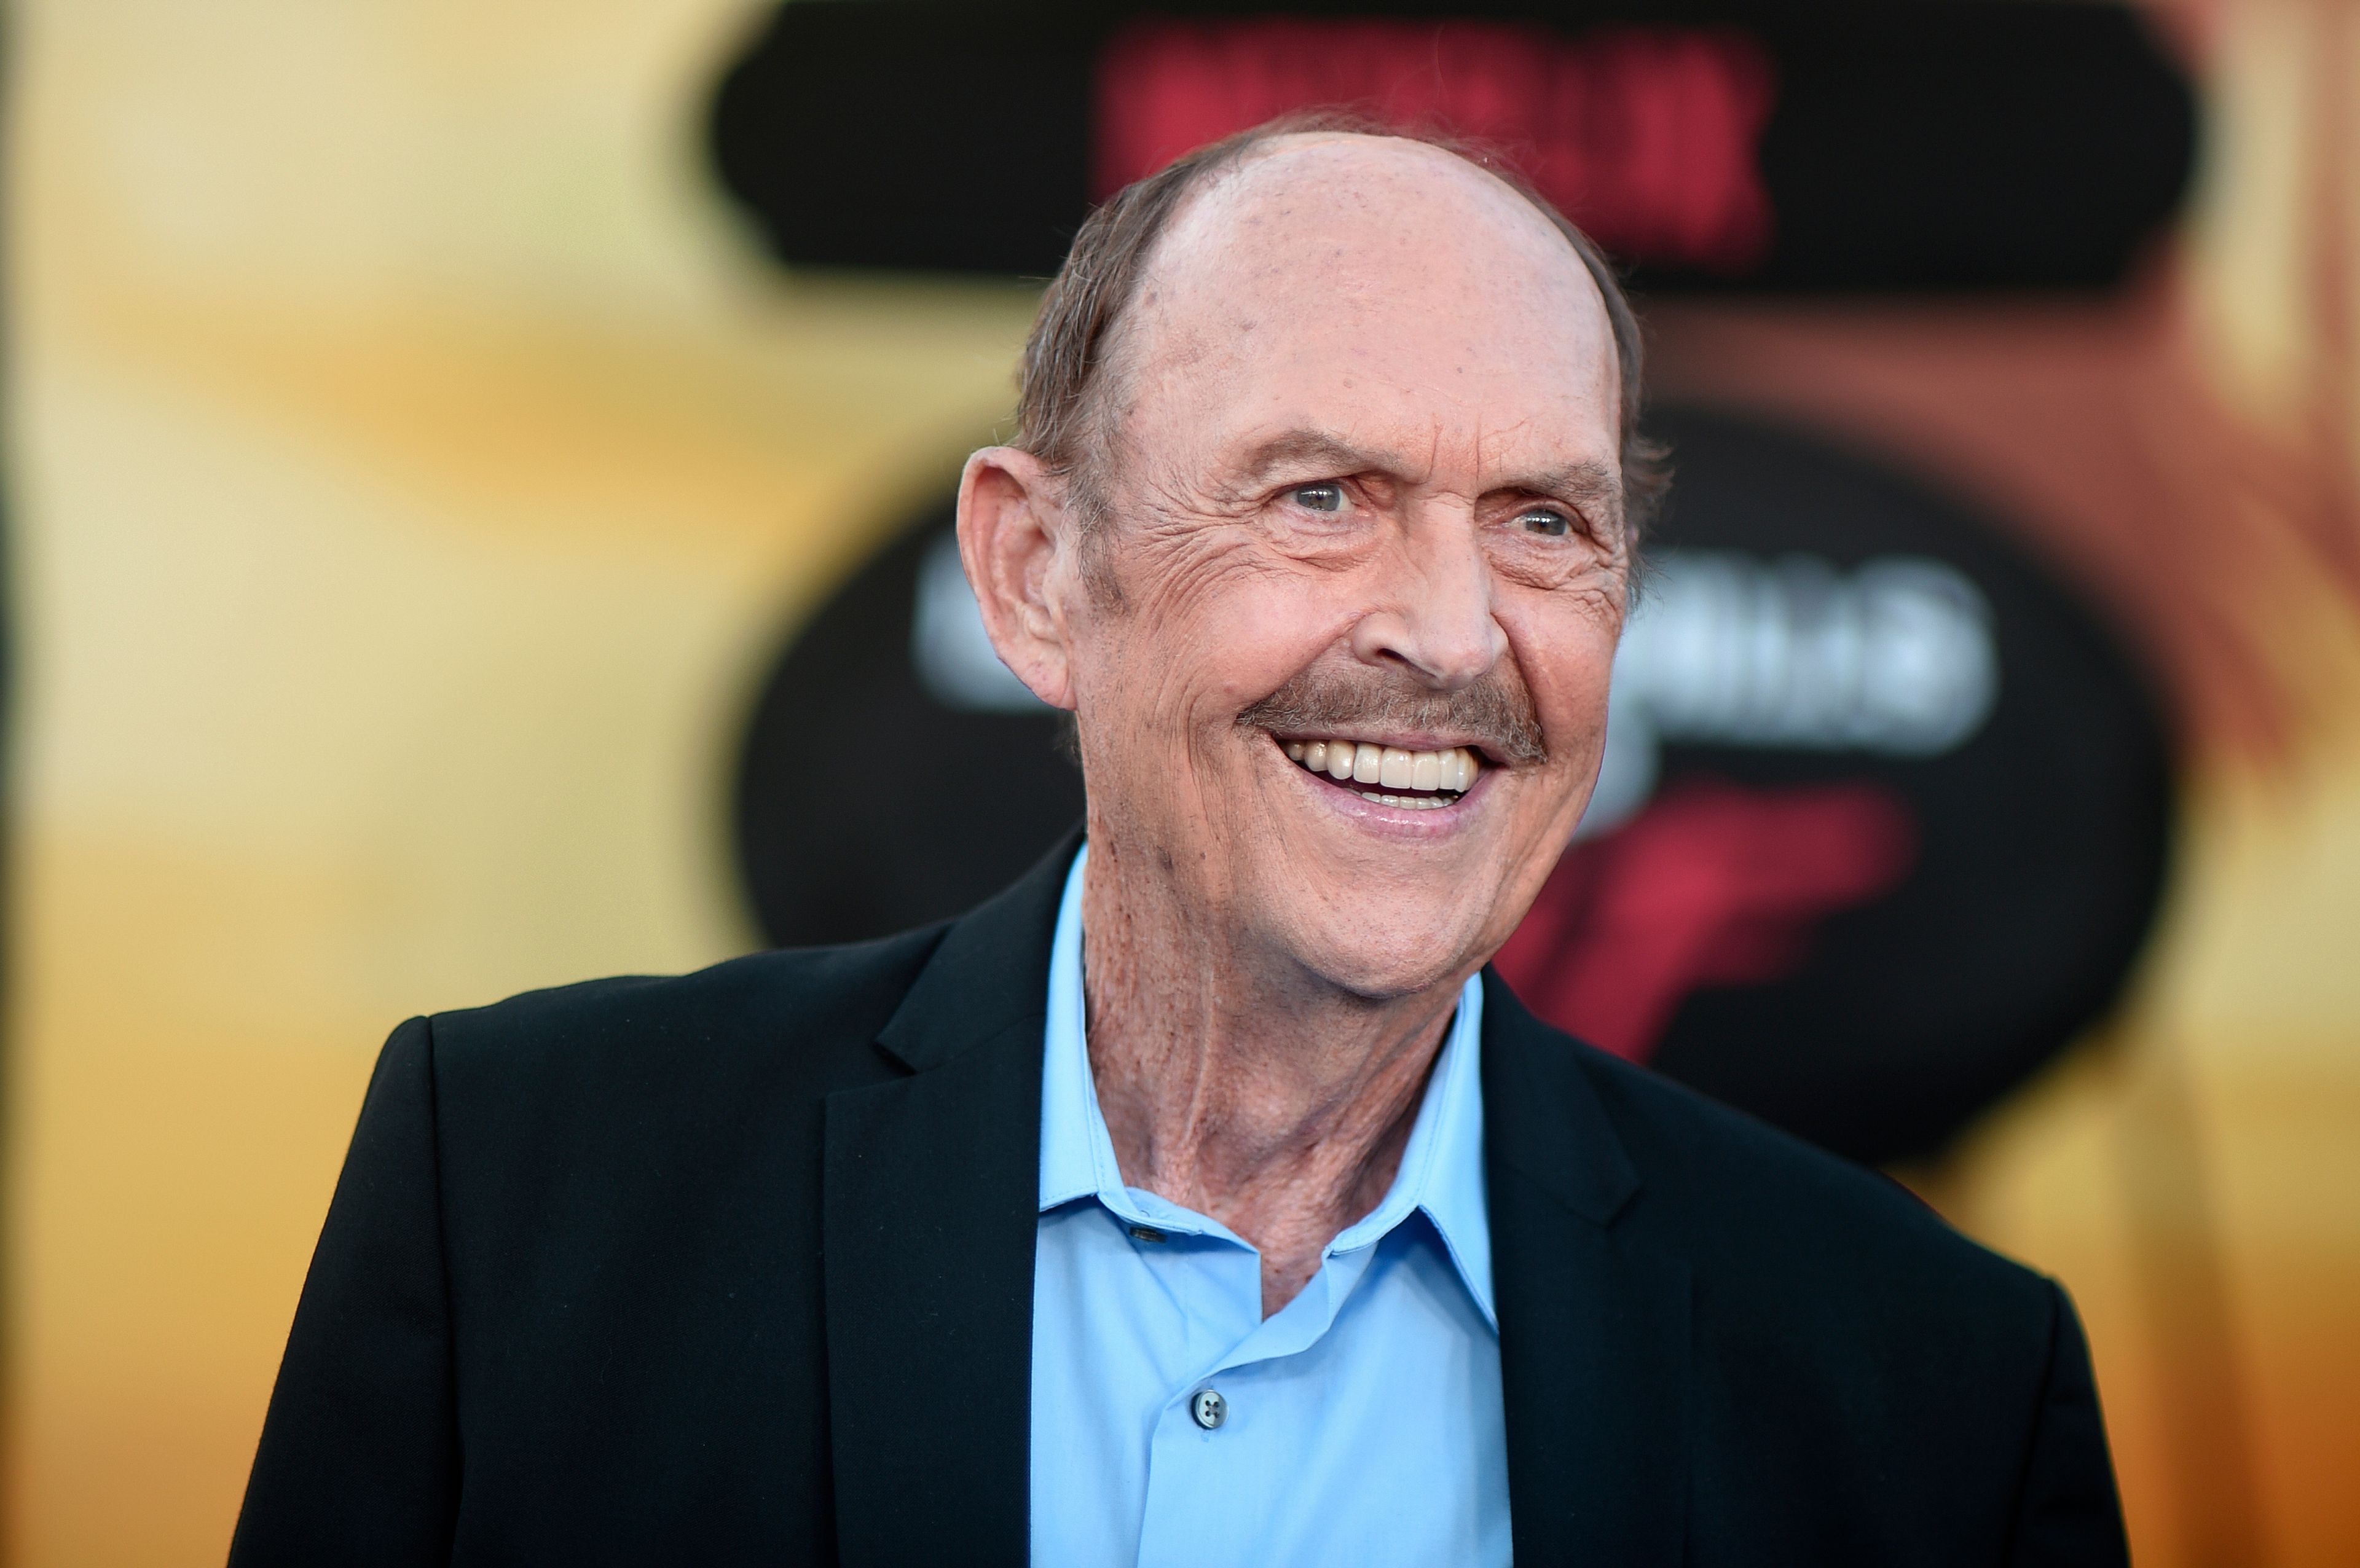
(1270,975)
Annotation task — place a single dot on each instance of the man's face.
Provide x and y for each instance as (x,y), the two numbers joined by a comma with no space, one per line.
(1364,493)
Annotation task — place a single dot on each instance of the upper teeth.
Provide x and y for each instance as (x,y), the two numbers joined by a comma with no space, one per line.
(1389,765)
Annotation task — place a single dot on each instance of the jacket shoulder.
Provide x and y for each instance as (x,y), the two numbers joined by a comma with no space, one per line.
(647,1117)
(810,1007)
(1868,1380)
(1786,1216)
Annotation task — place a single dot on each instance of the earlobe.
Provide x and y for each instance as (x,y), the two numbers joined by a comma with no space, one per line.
(1010,529)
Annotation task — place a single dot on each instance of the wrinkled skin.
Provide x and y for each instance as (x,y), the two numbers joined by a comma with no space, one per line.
(1363,453)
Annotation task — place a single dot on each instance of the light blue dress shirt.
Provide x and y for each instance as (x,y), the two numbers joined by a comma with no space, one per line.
(1362,1421)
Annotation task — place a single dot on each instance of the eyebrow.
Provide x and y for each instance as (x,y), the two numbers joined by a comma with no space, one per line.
(1587,481)
(1310,449)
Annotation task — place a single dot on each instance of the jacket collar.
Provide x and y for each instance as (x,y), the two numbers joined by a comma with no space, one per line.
(928,1224)
(989,973)
(1542,1115)
(1594,1307)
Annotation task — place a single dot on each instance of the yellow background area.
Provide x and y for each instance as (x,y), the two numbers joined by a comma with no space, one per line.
(410,470)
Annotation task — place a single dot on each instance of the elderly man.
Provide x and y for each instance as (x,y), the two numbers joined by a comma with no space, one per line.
(1200,1199)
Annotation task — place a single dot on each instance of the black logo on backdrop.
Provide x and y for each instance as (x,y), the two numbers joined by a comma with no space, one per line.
(1837,144)
(1883,823)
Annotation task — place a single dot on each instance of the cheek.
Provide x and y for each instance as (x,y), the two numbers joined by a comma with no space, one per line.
(1568,663)
(1223,630)
(1268,634)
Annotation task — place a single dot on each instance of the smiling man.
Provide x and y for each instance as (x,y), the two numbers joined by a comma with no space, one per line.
(1201,1199)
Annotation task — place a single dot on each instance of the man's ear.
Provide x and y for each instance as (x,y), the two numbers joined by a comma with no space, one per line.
(1015,541)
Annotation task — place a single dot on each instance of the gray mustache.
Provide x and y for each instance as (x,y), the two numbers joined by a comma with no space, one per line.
(1495,713)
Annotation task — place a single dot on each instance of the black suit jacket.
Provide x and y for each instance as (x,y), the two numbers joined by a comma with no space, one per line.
(738,1268)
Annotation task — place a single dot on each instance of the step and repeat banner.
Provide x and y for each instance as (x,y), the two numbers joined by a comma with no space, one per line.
(478,504)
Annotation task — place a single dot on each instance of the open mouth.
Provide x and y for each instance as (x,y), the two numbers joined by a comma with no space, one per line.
(1388,774)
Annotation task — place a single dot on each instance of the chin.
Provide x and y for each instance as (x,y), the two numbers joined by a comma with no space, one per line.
(1380,965)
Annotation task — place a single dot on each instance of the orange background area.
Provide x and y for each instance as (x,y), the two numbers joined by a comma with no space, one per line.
(412,469)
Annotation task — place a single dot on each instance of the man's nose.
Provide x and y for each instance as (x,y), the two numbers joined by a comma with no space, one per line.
(1434,619)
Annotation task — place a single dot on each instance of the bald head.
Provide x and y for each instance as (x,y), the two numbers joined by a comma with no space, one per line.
(1374,238)
(1350,232)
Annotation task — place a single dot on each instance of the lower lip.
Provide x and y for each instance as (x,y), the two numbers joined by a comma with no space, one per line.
(1429,821)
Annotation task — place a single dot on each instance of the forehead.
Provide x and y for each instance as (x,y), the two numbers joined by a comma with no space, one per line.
(1387,291)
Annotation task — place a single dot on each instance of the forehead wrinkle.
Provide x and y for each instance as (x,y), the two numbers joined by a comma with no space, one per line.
(1340,454)
(1579,478)
(1587,483)
(1327,448)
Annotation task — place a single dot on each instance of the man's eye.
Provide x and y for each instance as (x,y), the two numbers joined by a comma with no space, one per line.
(1327,498)
(1545,522)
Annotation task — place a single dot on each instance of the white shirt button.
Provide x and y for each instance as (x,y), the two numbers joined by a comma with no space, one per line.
(1208,1408)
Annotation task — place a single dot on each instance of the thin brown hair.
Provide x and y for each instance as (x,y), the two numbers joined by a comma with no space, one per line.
(1061,416)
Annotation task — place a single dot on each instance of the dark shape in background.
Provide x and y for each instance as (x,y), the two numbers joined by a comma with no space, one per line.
(1951,144)
(952,803)
(1871,1011)
(1864,948)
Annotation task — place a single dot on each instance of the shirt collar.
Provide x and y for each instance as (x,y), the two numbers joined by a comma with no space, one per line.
(1441,1170)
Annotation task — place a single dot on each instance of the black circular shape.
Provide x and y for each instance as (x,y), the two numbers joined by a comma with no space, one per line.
(2043,840)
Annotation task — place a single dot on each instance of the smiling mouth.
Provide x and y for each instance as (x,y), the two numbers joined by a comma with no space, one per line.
(1388,774)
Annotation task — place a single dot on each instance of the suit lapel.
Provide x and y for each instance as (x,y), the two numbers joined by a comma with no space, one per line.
(931,1186)
(1593,1312)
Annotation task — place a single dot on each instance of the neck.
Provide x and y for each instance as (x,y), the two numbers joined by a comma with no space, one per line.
(1235,1083)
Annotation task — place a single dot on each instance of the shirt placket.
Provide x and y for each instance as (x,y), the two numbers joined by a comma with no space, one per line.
(1207,1447)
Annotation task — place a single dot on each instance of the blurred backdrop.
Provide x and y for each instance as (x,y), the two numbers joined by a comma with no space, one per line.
(475,480)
